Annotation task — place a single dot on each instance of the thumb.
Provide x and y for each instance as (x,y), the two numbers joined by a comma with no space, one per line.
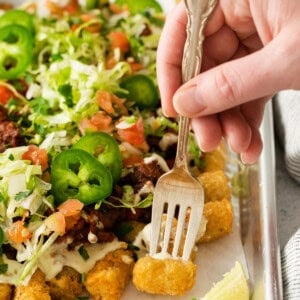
(233,83)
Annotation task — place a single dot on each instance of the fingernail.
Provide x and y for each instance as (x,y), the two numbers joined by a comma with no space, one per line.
(187,102)
(246,160)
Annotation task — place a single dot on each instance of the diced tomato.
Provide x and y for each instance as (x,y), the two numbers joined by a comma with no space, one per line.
(56,222)
(104,100)
(93,28)
(70,207)
(85,125)
(119,40)
(110,103)
(71,211)
(5,94)
(72,7)
(18,233)
(135,66)
(102,121)
(117,9)
(133,133)
(37,156)
(118,104)
(110,62)
(74,27)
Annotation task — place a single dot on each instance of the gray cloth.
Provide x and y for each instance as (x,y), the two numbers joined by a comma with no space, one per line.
(290,261)
(287,124)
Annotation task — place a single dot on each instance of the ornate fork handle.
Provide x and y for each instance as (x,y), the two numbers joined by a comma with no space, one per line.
(198,12)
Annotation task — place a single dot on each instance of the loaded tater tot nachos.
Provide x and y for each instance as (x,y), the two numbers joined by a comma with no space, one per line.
(82,144)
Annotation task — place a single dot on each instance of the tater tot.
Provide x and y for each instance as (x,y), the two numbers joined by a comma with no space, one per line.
(66,285)
(215,160)
(109,277)
(164,276)
(37,289)
(5,291)
(215,185)
(219,216)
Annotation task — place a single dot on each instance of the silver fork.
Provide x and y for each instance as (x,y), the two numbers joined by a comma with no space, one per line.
(177,191)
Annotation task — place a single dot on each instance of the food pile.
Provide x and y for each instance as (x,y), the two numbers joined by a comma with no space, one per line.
(82,144)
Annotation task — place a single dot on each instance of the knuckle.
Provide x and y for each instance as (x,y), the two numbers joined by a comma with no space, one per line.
(226,84)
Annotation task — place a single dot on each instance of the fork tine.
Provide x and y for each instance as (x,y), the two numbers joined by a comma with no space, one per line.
(157,211)
(194,222)
(168,226)
(179,229)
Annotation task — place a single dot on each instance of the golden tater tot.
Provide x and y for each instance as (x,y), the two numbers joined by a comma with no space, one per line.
(66,285)
(164,276)
(215,160)
(219,215)
(5,291)
(215,184)
(109,277)
(37,289)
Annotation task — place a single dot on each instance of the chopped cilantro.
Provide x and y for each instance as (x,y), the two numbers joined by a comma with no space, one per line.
(40,105)
(133,247)
(11,157)
(123,229)
(83,276)
(56,57)
(3,268)
(22,195)
(83,253)
(12,103)
(1,197)
(1,237)
(66,91)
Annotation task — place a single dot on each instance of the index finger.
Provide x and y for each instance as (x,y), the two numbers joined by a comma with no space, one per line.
(169,57)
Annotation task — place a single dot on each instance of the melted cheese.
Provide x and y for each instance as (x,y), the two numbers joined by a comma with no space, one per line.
(53,260)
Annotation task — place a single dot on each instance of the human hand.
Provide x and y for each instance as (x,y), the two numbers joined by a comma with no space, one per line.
(250,52)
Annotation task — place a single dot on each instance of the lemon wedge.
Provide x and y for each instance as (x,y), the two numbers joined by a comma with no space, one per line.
(233,286)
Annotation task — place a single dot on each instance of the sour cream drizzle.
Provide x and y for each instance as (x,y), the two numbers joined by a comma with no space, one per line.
(58,256)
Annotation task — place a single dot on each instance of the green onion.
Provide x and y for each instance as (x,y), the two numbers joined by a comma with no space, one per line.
(83,253)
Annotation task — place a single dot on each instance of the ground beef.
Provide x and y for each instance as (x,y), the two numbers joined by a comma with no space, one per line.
(99,222)
(107,215)
(143,173)
(3,113)
(10,135)
(9,251)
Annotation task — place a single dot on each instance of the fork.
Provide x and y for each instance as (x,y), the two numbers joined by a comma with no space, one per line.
(177,191)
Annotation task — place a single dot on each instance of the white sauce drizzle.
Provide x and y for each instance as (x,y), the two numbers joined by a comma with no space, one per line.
(167,140)
(53,260)
(155,157)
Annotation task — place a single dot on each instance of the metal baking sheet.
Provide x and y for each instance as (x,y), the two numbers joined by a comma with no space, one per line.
(258,220)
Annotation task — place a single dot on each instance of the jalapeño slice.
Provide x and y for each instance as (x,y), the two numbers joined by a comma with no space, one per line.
(16,47)
(105,148)
(77,174)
